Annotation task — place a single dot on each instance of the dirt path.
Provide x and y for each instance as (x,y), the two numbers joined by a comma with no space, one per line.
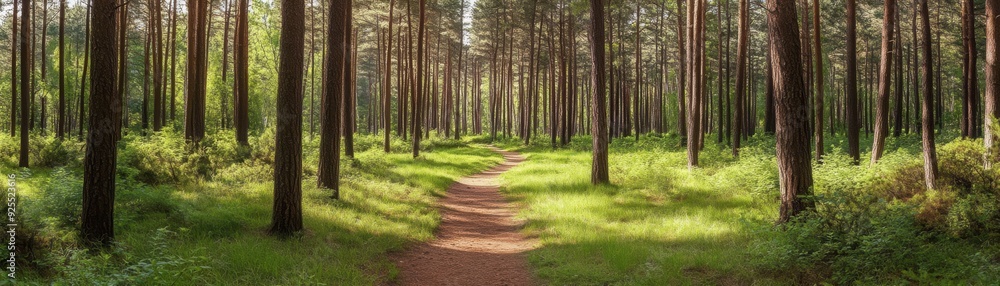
(478,241)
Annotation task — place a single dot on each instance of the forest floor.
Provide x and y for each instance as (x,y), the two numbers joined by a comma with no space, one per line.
(478,241)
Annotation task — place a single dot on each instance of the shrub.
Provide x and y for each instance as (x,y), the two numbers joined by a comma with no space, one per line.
(47,151)
(61,197)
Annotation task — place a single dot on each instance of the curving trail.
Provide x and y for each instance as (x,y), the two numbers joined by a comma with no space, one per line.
(478,241)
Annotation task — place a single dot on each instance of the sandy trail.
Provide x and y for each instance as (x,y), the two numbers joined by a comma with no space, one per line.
(478,241)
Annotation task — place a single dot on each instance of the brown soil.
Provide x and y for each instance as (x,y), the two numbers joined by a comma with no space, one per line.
(478,242)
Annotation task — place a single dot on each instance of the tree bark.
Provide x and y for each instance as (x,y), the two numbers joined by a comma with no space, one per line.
(599,125)
(387,94)
(61,117)
(286,216)
(819,97)
(348,85)
(241,73)
(792,109)
(884,75)
(13,69)
(992,80)
(930,155)
(194,105)
(97,220)
(86,68)
(853,122)
(742,47)
(329,153)
(26,64)
(419,78)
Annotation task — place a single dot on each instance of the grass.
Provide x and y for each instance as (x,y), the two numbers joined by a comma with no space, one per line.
(386,202)
(656,223)
(659,222)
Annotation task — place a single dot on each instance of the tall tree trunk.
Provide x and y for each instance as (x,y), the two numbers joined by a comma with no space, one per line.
(992,79)
(26,64)
(387,94)
(348,85)
(158,92)
(884,76)
(898,90)
(194,111)
(97,220)
(970,77)
(930,155)
(241,73)
(695,82)
(742,47)
(86,68)
(681,73)
(61,117)
(418,96)
(599,126)
(792,108)
(173,60)
(13,69)
(819,97)
(329,147)
(286,217)
(853,122)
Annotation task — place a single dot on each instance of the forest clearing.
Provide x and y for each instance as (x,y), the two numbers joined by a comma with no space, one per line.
(500,142)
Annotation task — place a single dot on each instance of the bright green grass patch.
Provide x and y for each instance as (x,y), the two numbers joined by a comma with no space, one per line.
(657,223)
(387,201)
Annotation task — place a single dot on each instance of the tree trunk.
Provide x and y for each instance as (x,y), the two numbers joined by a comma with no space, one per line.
(853,122)
(348,85)
(930,155)
(194,105)
(819,98)
(742,47)
(97,220)
(599,125)
(792,108)
(26,64)
(13,69)
(884,75)
(898,91)
(61,117)
(329,153)
(681,73)
(286,216)
(387,94)
(419,78)
(241,73)
(86,68)
(992,79)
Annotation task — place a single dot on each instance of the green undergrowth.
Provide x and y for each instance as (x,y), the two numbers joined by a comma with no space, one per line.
(188,215)
(659,222)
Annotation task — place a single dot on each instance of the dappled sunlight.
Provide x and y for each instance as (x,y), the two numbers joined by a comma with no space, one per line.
(656,222)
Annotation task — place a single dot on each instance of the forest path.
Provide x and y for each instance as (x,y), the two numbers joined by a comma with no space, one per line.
(478,242)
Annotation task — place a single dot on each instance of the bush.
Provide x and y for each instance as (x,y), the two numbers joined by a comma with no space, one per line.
(60,200)
(48,151)
(878,224)
(154,159)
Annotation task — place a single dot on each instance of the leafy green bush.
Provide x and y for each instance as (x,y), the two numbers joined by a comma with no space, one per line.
(879,224)
(61,197)
(154,159)
(48,151)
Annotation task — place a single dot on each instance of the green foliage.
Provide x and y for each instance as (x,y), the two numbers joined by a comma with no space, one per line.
(162,266)
(876,225)
(60,202)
